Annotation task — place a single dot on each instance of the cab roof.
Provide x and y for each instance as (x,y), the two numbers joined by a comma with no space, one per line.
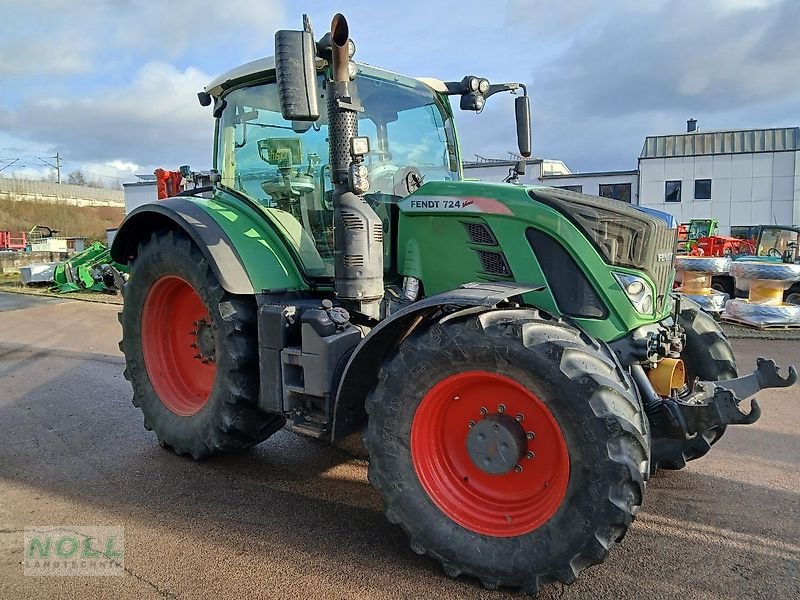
(263,67)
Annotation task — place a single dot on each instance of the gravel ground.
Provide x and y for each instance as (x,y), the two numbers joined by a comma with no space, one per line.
(294,518)
(14,286)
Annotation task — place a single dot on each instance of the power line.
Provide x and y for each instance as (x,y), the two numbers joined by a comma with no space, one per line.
(11,162)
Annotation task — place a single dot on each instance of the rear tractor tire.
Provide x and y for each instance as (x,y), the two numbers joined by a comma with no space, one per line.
(509,446)
(709,356)
(191,352)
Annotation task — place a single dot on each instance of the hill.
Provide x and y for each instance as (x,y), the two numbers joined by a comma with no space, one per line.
(70,221)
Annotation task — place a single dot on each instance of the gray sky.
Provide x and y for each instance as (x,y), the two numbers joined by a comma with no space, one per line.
(111,85)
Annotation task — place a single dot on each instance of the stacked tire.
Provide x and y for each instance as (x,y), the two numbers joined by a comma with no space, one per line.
(773,294)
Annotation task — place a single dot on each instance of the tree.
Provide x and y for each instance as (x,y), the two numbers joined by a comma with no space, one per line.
(77,178)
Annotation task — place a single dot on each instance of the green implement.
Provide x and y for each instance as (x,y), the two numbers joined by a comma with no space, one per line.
(91,270)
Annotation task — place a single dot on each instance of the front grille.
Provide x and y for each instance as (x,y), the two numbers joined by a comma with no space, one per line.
(623,235)
(479,233)
(661,270)
(494,262)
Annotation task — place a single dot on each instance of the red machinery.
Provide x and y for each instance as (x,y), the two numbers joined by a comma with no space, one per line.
(13,240)
(168,183)
(719,245)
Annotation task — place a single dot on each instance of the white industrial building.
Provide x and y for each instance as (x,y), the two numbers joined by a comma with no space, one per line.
(496,169)
(741,178)
(140,192)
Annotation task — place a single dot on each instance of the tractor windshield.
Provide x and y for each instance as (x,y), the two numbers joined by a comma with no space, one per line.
(283,165)
(700,229)
(777,242)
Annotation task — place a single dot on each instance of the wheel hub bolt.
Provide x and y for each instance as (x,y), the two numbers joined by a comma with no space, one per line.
(519,418)
(518,468)
(483,410)
(529,455)
(501,408)
(530,435)
(472,423)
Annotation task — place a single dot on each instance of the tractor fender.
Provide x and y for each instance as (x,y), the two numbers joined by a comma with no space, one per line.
(361,371)
(183,214)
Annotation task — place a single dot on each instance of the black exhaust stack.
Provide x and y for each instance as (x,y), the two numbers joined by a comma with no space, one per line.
(358,231)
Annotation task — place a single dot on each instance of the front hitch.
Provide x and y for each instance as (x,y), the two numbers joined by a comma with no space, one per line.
(717,403)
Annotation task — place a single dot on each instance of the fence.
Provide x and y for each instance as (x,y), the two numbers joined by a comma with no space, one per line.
(45,191)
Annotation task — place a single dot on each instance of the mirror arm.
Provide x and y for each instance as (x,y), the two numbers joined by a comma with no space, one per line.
(506,87)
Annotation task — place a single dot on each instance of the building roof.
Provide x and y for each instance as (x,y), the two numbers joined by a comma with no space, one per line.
(482,161)
(738,141)
(591,174)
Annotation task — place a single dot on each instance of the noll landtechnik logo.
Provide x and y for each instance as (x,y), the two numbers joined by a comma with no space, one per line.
(74,550)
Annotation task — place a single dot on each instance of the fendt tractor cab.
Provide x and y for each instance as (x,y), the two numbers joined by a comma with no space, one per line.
(513,354)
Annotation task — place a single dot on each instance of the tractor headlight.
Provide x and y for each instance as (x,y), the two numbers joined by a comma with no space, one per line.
(638,292)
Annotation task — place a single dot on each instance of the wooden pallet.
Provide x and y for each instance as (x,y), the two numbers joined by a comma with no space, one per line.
(761,326)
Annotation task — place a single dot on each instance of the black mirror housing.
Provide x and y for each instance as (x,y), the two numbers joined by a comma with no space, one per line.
(522,108)
(296,75)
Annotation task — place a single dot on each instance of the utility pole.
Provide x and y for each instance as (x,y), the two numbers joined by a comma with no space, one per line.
(56,166)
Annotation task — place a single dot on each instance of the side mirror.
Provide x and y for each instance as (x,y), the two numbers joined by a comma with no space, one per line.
(522,108)
(296,74)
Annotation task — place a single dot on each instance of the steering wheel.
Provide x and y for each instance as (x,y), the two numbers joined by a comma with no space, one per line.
(289,184)
(774,252)
(381,177)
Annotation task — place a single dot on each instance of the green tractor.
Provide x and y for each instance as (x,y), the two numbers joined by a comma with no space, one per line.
(689,233)
(513,355)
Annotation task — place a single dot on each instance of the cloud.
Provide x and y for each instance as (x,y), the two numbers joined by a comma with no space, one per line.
(106,81)
(678,56)
(153,120)
(103,81)
(627,69)
(61,37)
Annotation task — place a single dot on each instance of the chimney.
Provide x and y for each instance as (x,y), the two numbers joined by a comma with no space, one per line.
(691,125)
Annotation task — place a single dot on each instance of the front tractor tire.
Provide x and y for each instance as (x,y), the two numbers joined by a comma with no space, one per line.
(191,352)
(509,446)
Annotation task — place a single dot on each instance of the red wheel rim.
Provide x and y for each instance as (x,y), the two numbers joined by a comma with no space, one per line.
(499,505)
(177,343)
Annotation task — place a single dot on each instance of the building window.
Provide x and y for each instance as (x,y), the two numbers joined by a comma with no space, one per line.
(672,191)
(571,188)
(745,232)
(702,189)
(617,191)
